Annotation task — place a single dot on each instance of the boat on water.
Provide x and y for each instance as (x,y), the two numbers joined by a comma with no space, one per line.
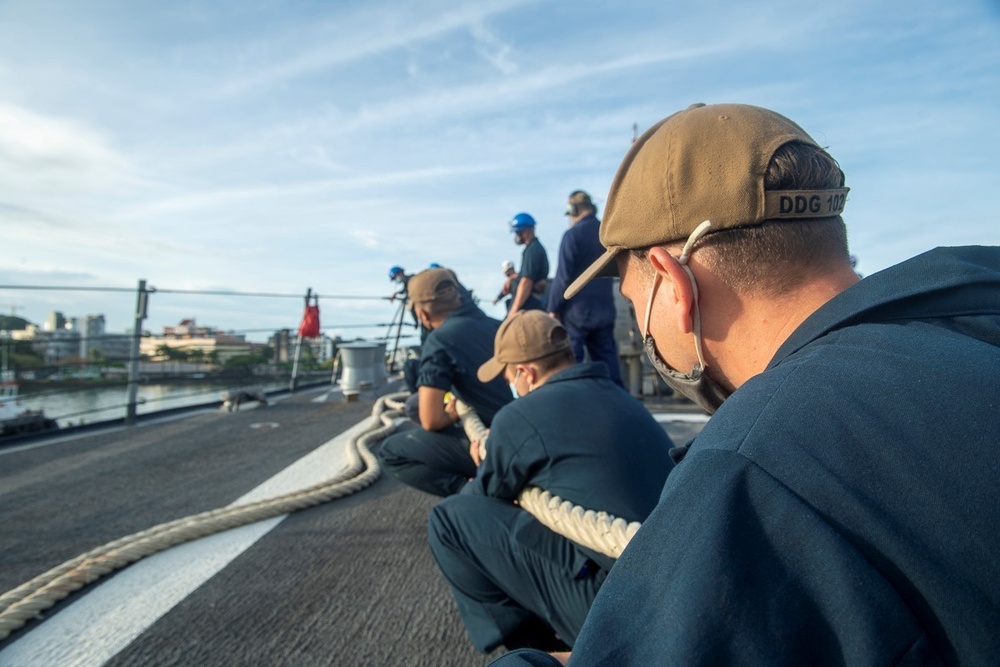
(15,418)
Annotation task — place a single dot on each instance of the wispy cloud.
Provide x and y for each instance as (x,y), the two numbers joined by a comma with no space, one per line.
(243,195)
(40,152)
(366,35)
(495,50)
(14,215)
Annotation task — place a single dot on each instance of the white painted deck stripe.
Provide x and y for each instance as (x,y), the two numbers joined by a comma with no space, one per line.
(103,621)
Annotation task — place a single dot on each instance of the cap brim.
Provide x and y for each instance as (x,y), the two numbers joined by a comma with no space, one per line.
(604,267)
(491,370)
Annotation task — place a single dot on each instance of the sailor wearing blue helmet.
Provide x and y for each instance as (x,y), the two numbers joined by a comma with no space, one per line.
(532,278)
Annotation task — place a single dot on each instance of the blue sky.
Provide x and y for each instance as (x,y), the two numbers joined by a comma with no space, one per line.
(271,146)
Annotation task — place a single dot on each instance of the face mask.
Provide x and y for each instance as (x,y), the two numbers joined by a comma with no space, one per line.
(696,385)
(513,385)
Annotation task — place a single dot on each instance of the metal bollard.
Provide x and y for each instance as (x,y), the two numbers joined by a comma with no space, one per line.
(364,367)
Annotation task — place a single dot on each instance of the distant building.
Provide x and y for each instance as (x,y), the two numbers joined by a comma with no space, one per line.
(189,337)
(283,343)
(64,339)
(54,322)
(96,342)
(56,346)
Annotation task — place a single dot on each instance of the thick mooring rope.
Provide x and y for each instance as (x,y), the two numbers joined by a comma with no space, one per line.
(25,602)
(600,531)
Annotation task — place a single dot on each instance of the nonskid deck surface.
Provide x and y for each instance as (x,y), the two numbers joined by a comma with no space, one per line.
(349,582)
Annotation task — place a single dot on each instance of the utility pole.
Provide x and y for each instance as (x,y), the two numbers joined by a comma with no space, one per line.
(141,302)
(294,381)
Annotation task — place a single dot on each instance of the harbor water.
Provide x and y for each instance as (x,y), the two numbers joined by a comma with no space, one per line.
(101,403)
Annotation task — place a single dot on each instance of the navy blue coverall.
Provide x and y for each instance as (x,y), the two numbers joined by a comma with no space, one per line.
(840,508)
(534,265)
(580,437)
(589,317)
(438,461)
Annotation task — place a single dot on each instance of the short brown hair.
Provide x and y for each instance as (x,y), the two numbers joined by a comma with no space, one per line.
(557,359)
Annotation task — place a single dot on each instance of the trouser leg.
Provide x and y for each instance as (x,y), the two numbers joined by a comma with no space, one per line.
(602,347)
(411,367)
(577,340)
(411,407)
(437,462)
(506,569)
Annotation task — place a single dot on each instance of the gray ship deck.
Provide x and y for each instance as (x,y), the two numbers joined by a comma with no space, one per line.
(349,582)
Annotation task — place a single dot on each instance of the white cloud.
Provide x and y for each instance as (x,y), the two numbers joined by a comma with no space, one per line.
(496,51)
(40,153)
(228,197)
(351,38)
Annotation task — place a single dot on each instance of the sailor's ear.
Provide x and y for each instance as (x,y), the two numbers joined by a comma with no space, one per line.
(677,287)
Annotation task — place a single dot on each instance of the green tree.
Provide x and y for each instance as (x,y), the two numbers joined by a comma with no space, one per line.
(171,353)
(13,323)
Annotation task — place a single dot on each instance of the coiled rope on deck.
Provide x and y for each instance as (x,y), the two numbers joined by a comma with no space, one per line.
(28,600)
(597,530)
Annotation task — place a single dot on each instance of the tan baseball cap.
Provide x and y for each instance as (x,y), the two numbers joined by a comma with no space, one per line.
(527,335)
(703,163)
(433,286)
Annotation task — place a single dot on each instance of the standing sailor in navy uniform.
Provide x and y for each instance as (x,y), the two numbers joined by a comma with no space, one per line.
(589,317)
(532,278)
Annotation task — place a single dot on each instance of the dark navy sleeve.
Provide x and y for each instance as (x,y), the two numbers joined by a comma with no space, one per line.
(725,571)
(513,453)
(565,272)
(534,262)
(525,657)
(437,368)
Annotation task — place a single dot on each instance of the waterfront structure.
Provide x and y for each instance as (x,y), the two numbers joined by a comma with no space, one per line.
(62,339)
(55,321)
(207,342)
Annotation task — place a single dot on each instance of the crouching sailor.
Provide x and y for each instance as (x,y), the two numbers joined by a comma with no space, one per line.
(435,458)
(572,432)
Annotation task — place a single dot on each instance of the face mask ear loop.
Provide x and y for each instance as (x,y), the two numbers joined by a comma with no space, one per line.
(683,261)
(649,306)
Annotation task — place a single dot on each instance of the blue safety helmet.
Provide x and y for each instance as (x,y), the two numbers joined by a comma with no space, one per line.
(395,271)
(433,265)
(522,221)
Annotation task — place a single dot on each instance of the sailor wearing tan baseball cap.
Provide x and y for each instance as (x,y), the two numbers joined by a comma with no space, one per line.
(579,436)
(694,174)
(818,501)
(524,337)
(433,290)
(703,163)
(435,457)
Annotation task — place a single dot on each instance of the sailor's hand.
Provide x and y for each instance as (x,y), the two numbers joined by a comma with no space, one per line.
(562,657)
(451,409)
(477,449)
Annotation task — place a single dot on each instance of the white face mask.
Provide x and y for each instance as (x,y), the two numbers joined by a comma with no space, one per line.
(513,385)
(696,385)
